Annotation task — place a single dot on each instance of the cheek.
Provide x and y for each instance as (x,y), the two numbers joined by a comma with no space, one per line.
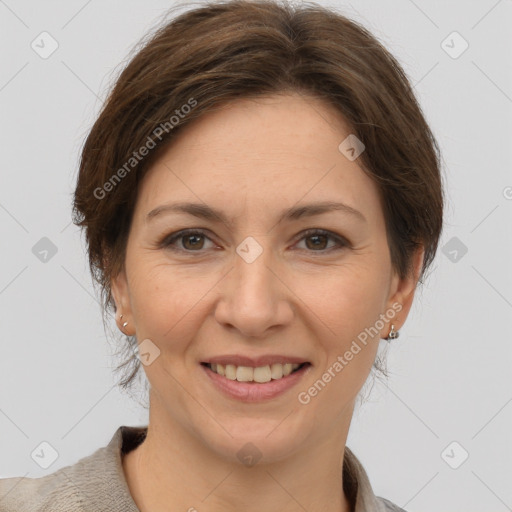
(346,306)
(345,299)
(166,301)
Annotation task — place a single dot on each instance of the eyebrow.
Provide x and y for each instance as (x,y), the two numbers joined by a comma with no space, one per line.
(206,212)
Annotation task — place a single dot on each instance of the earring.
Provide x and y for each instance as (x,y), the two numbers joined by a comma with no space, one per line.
(393,335)
(124,323)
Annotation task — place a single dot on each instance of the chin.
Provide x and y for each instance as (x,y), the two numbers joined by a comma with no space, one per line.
(261,440)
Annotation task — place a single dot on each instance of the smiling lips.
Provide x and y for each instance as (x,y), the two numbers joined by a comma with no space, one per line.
(255,379)
(260,374)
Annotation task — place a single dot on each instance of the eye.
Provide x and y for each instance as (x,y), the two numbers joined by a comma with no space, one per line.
(193,240)
(319,239)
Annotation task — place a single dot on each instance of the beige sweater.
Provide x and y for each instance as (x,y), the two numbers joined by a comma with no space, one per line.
(97,483)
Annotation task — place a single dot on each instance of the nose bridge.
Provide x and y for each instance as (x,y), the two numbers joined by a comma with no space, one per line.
(253,300)
(254,280)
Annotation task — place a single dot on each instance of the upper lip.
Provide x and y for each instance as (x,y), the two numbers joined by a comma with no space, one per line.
(255,362)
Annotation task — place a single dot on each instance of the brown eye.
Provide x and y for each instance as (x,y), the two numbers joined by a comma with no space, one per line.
(191,241)
(317,240)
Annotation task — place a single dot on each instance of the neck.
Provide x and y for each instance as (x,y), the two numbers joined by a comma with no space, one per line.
(173,470)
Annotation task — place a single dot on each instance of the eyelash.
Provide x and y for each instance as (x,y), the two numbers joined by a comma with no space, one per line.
(169,240)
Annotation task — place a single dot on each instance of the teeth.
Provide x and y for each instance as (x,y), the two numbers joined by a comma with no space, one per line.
(276,371)
(260,374)
(230,371)
(244,374)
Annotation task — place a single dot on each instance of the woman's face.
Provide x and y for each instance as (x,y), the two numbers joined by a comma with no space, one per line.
(255,285)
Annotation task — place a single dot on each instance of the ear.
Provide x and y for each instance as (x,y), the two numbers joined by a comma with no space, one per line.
(121,296)
(402,293)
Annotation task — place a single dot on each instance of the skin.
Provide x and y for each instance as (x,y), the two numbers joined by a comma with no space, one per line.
(252,159)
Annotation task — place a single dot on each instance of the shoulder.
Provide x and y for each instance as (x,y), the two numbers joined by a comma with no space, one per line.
(94,483)
(357,485)
(51,492)
(388,506)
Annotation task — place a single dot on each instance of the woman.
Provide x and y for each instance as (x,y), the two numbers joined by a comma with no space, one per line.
(260,195)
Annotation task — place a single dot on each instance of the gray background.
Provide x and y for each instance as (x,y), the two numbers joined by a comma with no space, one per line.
(450,369)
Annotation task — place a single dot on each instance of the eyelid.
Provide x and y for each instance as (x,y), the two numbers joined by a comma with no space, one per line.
(168,241)
(341,240)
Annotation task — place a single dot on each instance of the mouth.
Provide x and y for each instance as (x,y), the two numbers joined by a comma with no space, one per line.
(254,380)
(258,374)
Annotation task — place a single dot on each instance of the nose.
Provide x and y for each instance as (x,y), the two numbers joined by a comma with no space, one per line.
(255,297)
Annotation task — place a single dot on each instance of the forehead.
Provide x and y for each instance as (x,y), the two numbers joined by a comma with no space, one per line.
(266,153)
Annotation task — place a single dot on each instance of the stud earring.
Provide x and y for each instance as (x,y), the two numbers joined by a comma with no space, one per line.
(124,323)
(393,335)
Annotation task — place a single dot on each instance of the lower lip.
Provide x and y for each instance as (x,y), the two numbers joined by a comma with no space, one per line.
(255,391)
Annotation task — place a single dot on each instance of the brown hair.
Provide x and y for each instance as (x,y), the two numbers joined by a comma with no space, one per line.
(222,51)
